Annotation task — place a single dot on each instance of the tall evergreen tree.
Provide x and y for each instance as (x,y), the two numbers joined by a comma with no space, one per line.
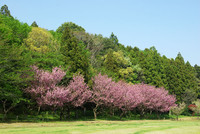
(75,54)
(114,39)
(197,69)
(72,26)
(5,11)
(34,24)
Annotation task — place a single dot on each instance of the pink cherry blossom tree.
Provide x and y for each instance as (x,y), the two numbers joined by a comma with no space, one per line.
(79,92)
(127,97)
(155,99)
(45,84)
(102,92)
(46,91)
(107,93)
(113,95)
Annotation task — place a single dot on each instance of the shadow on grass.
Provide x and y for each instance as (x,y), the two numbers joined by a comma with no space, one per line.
(51,118)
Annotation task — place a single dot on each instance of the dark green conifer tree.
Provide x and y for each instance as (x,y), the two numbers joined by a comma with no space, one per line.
(34,24)
(5,11)
(75,54)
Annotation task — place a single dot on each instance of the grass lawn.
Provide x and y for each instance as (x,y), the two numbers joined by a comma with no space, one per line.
(184,126)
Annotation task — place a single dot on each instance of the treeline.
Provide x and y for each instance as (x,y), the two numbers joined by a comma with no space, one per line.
(105,94)
(78,52)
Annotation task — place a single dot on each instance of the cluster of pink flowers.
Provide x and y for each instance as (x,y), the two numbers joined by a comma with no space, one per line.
(128,97)
(46,91)
(105,92)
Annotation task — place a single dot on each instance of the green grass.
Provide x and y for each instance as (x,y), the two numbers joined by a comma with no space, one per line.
(184,126)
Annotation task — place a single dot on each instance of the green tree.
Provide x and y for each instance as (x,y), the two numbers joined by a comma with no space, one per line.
(40,40)
(110,62)
(197,69)
(14,63)
(122,68)
(114,39)
(15,75)
(72,26)
(151,62)
(12,30)
(5,11)
(178,110)
(34,24)
(189,96)
(75,55)
(197,108)
(44,48)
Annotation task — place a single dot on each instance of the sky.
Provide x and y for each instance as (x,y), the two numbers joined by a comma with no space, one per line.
(172,26)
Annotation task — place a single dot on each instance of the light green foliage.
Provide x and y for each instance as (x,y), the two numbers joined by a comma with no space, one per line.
(115,60)
(121,65)
(197,108)
(12,31)
(44,48)
(178,109)
(120,59)
(127,74)
(6,33)
(14,63)
(39,40)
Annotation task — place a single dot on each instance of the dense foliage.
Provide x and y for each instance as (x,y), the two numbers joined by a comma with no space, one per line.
(98,73)
(178,109)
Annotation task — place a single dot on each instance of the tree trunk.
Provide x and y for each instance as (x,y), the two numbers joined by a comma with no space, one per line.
(142,113)
(76,113)
(4,116)
(61,113)
(112,112)
(177,117)
(150,112)
(68,113)
(84,111)
(95,112)
(121,115)
(157,115)
(38,110)
(6,110)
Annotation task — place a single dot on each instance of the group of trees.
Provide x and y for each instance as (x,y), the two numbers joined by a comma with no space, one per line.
(30,57)
(105,93)
(128,97)
(45,90)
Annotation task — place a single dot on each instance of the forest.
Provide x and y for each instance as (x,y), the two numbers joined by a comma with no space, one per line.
(70,74)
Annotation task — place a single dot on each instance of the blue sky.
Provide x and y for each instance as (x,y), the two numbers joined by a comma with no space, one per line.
(171,26)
